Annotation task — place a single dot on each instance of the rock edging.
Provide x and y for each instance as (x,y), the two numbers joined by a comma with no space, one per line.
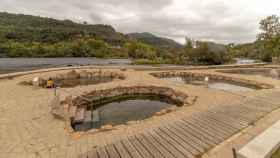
(216,77)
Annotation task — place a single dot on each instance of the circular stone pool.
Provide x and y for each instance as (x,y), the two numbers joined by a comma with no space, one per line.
(265,72)
(106,108)
(75,78)
(212,81)
(213,84)
(123,110)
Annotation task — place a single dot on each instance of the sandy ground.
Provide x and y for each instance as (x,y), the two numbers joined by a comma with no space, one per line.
(27,129)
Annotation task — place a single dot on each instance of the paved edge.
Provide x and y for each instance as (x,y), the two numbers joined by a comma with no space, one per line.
(264,145)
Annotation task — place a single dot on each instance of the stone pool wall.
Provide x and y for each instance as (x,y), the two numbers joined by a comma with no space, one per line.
(73,108)
(75,75)
(246,71)
(215,77)
(268,72)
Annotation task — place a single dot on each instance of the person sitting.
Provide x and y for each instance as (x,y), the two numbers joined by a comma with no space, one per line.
(50,83)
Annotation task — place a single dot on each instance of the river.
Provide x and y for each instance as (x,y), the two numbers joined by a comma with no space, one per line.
(8,65)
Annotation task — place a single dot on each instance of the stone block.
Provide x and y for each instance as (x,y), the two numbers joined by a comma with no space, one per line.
(106,128)
(84,74)
(72,75)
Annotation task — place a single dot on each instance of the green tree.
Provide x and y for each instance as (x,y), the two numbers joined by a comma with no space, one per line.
(140,50)
(270,36)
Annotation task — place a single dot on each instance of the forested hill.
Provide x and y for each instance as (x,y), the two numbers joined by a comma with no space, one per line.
(26,28)
(34,36)
(151,39)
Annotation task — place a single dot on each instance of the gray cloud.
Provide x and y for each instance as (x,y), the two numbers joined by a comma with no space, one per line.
(217,20)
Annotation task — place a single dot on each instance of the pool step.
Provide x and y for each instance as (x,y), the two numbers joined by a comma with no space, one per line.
(80,115)
(72,111)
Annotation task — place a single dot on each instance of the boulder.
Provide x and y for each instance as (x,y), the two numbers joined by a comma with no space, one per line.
(159,113)
(132,122)
(190,100)
(123,69)
(93,131)
(171,109)
(60,77)
(38,81)
(163,111)
(106,128)
(72,75)
(168,93)
(274,73)
(84,74)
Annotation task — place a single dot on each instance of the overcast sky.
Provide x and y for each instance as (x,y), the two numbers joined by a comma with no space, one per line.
(221,21)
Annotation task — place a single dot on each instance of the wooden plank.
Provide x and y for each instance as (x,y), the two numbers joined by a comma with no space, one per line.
(92,154)
(271,101)
(233,113)
(248,112)
(212,139)
(222,121)
(205,121)
(139,147)
(205,129)
(180,141)
(253,113)
(233,109)
(167,145)
(102,153)
(211,128)
(196,134)
(121,150)
(236,123)
(149,146)
(186,139)
(222,124)
(82,156)
(219,129)
(131,149)
(160,147)
(112,151)
(178,146)
(262,107)
(185,132)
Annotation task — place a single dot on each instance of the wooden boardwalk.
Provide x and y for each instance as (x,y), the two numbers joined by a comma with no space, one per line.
(191,136)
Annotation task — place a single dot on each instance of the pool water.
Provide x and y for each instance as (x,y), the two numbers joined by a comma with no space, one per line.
(79,82)
(229,87)
(120,112)
(219,85)
(271,73)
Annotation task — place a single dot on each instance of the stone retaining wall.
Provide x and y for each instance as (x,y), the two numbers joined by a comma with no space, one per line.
(75,75)
(215,77)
